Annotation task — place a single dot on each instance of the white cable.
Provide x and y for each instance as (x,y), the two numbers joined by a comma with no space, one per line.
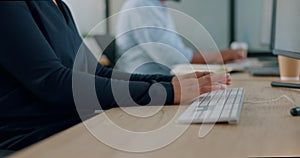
(273,100)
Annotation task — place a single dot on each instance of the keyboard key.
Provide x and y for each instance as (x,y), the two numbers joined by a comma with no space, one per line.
(216,106)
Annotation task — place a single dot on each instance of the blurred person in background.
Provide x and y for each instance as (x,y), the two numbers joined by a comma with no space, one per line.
(147,39)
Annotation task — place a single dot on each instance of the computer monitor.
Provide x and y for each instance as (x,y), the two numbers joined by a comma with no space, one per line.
(254,24)
(287,34)
(287,29)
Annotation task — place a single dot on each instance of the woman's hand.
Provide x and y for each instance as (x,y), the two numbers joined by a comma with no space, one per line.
(230,55)
(190,86)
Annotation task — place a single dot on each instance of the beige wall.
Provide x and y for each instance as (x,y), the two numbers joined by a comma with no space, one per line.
(87,14)
(115,7)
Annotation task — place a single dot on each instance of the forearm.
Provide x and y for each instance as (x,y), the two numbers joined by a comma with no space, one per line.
(198,58)
(115,74)
(207,57)
(124,93)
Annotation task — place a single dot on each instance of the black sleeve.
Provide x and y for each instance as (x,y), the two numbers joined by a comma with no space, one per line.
(107,72)
(27,56)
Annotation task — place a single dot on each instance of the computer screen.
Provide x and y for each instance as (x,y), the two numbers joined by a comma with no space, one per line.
(254,24)
(287,34)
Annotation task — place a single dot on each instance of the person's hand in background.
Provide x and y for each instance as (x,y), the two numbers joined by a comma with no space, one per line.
(232,54)
(223,56)
(190,86)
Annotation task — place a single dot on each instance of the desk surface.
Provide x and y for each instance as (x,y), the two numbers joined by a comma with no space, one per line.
(248,77)
(265,129)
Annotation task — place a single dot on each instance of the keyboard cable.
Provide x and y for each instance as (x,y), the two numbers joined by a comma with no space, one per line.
(272,100)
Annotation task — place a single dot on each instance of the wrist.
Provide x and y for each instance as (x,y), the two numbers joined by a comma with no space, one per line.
(176,90)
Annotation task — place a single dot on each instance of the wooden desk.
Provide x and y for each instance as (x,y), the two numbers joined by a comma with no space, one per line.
(248,77)
(265,129)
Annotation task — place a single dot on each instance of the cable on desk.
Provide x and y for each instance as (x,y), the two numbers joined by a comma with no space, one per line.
(273,100)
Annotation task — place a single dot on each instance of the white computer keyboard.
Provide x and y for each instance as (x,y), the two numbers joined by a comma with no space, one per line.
(216,106)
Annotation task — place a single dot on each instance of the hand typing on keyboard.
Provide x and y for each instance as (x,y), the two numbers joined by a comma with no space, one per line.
(190,86)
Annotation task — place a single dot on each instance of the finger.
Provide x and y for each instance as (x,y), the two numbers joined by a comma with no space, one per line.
(212,79)
(207,89)
(201,74)
(221,78)
(195,75)
(229,79)
(240,54)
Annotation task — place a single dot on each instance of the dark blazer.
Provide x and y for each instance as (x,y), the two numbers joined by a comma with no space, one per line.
(38,46)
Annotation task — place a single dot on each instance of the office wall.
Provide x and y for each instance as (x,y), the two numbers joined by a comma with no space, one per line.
(115,8)
(87,14)
(288,25)
(212,14)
